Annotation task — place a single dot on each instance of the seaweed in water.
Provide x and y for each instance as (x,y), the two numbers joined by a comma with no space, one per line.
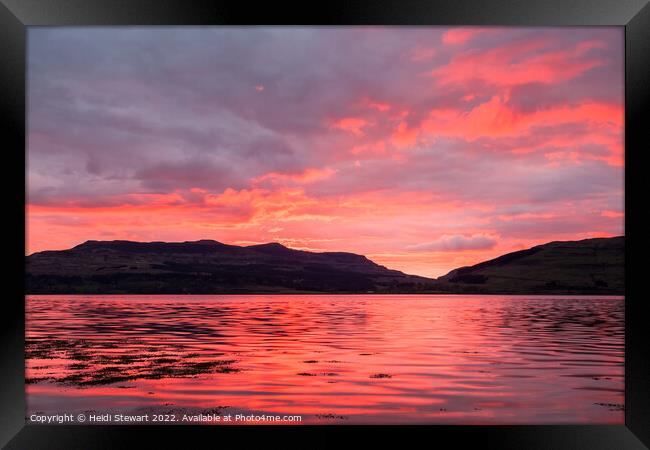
(612,406)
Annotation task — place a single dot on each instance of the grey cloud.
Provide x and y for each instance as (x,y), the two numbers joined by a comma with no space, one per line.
(456,242)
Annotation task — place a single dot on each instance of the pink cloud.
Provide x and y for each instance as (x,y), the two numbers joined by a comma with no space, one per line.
(380,106)
(353,125)
(309,175)
(533,61)
(462,35)
(612,214)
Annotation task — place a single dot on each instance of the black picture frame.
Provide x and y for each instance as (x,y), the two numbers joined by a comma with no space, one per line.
(16,15)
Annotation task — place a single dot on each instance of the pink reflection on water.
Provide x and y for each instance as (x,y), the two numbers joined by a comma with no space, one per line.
(332,359)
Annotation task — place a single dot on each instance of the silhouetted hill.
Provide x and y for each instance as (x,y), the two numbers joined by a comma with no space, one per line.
(590,266)
(206,267)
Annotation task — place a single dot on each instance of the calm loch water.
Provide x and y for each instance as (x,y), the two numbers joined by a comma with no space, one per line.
(331,358)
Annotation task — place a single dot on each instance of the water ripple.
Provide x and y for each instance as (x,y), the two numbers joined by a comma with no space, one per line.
(368,359)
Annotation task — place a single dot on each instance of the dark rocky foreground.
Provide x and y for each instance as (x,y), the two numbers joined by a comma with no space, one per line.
(591,266)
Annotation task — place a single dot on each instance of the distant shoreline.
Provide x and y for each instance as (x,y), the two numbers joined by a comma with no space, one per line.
(586,267)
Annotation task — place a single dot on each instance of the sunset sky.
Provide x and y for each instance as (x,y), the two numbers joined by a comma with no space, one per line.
(423,148)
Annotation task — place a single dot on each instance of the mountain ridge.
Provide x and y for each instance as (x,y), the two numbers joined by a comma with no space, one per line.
(589,266)
(554,266)
(204,266)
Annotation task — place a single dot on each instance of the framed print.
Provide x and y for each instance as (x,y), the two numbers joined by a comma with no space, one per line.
(399,219)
